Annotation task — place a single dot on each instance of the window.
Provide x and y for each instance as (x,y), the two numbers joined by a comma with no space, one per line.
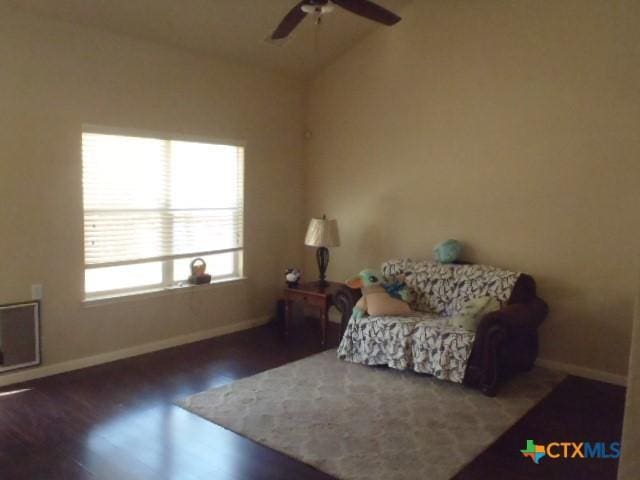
(153,204)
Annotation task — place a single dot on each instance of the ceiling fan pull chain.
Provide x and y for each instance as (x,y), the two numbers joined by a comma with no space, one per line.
(316,38)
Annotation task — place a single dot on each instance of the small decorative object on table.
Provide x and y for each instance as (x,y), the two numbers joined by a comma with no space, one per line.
(292,277)
(447,251)
(198,275)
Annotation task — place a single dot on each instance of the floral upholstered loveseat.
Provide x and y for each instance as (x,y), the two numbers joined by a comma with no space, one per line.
(505,341)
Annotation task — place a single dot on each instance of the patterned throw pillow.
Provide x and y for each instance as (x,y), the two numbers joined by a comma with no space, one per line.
(472,311)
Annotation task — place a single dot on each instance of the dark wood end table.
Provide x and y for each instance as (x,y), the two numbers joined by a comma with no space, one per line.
(313,295)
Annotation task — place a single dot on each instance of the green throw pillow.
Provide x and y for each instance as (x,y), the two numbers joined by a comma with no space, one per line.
(472,311)
(447,251)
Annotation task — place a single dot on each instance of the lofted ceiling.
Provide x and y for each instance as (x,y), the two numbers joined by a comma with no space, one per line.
(234,29)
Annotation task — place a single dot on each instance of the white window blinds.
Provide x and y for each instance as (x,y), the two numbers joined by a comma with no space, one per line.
(148,199)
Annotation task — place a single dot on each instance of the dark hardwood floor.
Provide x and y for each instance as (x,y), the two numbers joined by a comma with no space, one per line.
(117,421)
(578,410)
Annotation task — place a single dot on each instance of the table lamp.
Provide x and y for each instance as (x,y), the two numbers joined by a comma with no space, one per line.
(322,233)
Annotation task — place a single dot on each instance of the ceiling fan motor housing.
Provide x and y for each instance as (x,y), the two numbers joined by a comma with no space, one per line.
(317,7)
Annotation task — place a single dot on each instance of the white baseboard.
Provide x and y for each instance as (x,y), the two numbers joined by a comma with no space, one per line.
(579,371)
(47,370)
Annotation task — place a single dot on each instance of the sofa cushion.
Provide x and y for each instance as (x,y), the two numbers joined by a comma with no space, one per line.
(441,349)
(423,342)
(444,288)
(480,281)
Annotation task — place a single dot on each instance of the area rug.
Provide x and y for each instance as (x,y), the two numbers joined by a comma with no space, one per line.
(358,422)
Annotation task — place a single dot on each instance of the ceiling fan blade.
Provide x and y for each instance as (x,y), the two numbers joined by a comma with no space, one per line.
(289,22)
(369,10)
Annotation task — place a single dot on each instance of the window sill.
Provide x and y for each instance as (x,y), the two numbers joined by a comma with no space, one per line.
(157,292)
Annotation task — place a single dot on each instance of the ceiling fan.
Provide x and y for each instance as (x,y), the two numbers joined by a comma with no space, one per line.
(364,8)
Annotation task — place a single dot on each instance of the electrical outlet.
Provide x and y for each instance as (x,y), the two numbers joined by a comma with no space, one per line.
(36,291)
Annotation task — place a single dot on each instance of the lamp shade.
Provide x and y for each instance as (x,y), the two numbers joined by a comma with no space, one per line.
(322,233)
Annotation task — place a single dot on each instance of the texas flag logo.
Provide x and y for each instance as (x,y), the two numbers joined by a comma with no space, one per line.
(533,451)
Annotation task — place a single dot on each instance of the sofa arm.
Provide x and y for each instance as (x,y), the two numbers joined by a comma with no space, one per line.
(516,316)
(506,342)
(344,299)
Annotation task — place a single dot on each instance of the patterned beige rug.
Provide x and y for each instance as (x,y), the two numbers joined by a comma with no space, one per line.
(357,422)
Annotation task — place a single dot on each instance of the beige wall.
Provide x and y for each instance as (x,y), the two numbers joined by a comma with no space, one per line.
(510,125)
(53,78)
(630,460)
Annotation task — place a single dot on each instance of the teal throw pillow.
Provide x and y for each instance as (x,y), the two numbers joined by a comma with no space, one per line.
(447,251)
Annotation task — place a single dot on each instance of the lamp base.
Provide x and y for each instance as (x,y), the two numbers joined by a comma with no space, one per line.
(322,257)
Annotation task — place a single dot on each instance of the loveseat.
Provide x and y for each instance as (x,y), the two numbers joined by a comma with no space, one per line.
(505,341)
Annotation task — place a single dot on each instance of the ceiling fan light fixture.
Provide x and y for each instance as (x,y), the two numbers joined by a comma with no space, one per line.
(317,9)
